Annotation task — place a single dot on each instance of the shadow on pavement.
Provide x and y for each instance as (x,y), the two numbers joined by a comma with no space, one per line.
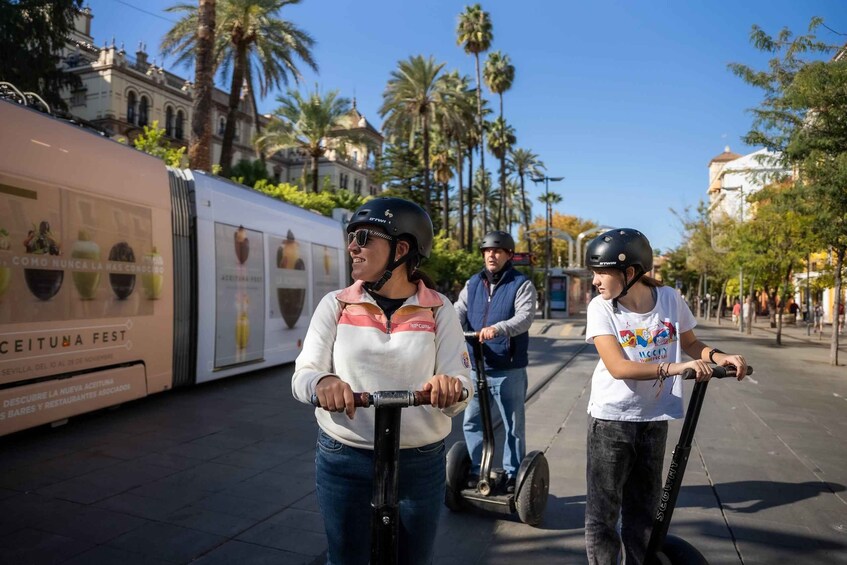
(750,497)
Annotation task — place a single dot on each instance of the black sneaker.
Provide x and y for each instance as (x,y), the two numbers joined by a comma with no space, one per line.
(510,486)
(473,481)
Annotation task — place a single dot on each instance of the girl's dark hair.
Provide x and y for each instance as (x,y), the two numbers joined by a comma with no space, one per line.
(650,281)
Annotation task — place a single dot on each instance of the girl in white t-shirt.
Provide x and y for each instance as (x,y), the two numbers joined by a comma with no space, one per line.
(640,330)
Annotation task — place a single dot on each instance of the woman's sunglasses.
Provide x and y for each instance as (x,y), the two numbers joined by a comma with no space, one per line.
(361,236)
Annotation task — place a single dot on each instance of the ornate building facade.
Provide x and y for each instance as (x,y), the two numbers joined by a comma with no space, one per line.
(121,93)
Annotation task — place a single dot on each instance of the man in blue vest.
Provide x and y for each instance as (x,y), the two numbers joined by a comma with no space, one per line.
(499,304)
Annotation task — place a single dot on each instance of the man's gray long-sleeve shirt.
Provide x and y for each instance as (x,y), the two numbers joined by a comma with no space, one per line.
(525,300)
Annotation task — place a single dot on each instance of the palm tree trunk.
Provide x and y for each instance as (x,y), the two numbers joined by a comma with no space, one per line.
(481,143)
(525,209)
(461,193)
(427,194)
(446,200)
(470,199)
(234,101)
(503,194)
(315,159)
(255,109)
(200,143)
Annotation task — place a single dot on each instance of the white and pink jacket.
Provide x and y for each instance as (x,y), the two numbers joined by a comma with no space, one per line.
(349,336)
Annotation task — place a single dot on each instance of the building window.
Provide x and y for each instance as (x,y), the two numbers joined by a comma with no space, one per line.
(180,119)
(143,107)
(356,157)
(130,107)
(169,122)
(221,126)
(78,97)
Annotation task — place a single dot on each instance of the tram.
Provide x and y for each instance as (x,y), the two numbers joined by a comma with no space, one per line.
(121,278)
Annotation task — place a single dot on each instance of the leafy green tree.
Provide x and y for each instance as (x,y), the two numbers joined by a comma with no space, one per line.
(475,34)
(249,172)
(414,96)
(524,162)
(499,74)
(252,44)
(321,202)
(153,142)
(501,138)
(400,171)
(33,33)
(802,115)
(312,124)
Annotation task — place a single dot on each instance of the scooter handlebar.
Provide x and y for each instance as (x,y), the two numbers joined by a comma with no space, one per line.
(401,398)
(717,372)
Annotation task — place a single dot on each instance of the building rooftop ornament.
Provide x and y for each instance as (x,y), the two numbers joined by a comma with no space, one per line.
(724,157)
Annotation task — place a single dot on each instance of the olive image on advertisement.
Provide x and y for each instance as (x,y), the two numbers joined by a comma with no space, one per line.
(242,245)
(290,299)
(5,272)
(242,331)
(43,283)
(122,284)
(152,278)
(86,283)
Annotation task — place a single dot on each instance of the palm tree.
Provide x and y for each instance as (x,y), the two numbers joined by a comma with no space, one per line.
(474,33)
(312,124)
(413,97)
(200,141)
(499,74)
(441,163)
(524,162)
(251,42)
(549,199)
(501,138)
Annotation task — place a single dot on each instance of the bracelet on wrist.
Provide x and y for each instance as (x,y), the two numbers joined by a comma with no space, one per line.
(712,355)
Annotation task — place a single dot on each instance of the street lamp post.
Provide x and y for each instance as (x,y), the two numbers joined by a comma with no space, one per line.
(548,219)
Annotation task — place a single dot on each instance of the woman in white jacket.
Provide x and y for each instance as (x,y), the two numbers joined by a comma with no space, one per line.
(388,331)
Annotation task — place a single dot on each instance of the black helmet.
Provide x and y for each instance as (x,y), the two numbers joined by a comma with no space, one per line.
(398,217)
(498,239)
(619,249)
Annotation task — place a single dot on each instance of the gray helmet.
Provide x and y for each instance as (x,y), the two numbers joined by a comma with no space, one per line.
(498,239)
(619,249)
(398,217)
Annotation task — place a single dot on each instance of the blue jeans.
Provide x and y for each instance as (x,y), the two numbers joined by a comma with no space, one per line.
(624,478)
(344,477)
(507,390)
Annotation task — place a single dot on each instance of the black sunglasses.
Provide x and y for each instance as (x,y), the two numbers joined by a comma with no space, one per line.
(361,236)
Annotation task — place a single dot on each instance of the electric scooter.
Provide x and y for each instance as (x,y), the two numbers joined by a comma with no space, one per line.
(532,482)
(385,510)
(663,548)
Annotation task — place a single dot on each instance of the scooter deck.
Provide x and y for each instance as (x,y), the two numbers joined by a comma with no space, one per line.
(500,503)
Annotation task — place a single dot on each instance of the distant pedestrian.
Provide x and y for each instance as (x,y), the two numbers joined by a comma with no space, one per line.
(736,312)
(640,329)
(818,317)
(840,316)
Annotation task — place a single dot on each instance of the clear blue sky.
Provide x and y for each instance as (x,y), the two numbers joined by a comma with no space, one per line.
(629,100)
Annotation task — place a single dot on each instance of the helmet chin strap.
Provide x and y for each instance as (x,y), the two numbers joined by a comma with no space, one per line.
(626,286)
(389,268)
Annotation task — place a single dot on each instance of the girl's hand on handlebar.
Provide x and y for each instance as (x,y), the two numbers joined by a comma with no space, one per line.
(702,370)
(334,395)
(734,360)
(444,390)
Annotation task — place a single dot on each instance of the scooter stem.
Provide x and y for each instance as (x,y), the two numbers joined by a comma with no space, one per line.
(385,510)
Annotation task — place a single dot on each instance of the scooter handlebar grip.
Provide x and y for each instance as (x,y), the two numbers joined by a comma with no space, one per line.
(422,398)
(718,372)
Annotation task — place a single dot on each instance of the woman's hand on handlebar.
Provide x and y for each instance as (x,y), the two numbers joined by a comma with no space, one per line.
(444,390)
(733,360)
(334,395)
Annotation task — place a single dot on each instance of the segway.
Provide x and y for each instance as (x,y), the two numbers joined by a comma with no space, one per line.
(385,510)
(663,548)
(532,482)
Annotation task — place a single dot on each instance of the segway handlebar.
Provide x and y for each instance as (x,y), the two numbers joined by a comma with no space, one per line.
(718,372)
(401,398)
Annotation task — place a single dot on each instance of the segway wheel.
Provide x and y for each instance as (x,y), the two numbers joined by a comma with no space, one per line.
(677,551)
(458,466)
(531,499)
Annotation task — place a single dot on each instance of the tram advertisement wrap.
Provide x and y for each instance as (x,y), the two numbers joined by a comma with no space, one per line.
(240,295)
(289,278)
(76,272)
(324,270)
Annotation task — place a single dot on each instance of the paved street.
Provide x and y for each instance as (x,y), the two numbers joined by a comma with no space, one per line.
(224,473)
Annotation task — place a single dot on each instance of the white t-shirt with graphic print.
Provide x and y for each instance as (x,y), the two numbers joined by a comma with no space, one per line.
(652,337)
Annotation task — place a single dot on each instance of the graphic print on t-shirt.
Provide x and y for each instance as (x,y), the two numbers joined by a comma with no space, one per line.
(651,341)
